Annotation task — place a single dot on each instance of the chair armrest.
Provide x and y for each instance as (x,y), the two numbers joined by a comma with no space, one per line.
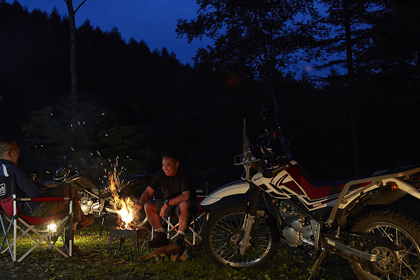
(44,199)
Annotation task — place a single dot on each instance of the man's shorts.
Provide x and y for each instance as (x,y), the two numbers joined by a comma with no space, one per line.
(172,210)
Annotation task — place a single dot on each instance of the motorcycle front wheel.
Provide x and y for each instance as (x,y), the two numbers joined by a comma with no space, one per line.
(404,232)
(222,239)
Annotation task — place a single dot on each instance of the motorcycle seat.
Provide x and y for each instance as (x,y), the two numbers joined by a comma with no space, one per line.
(395,171)
(316,189)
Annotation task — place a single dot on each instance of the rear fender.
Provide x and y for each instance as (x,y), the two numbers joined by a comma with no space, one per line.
(234,188)
(405,187)
(389,195)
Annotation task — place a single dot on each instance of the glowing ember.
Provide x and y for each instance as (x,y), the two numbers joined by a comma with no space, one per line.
(123,207)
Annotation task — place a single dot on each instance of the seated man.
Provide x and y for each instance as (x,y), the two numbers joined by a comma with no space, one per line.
(176,187)
(9,155)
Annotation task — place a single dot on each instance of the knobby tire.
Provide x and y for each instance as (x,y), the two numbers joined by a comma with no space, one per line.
(222,234)
(402,231)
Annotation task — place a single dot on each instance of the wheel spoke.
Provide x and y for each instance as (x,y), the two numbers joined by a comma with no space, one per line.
(400,275)
(402,263)
(227,233)
(383,231)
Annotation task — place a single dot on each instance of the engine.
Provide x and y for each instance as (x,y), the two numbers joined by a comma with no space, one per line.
(298,229)
(91,205)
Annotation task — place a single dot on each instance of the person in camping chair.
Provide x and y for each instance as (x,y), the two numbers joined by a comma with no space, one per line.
(9,155)
(176,186)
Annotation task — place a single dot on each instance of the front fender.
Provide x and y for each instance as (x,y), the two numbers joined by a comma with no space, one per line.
(234,188)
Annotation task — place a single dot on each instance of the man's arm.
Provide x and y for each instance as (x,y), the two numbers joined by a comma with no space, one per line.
(176,200)
(23,182)
(145,197)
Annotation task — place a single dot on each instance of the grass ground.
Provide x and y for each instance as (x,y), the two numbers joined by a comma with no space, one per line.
(103,263)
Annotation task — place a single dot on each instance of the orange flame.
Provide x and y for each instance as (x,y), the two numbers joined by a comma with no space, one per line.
(123,207)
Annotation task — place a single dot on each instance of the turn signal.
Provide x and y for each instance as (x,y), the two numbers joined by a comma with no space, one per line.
(394,187)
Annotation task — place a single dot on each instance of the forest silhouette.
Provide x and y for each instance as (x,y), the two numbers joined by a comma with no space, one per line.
(135,103)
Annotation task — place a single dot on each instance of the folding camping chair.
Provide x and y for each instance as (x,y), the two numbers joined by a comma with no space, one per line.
(13,222)
(198,218)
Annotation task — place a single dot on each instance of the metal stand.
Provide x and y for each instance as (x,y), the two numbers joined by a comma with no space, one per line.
(122,234)
(317,263)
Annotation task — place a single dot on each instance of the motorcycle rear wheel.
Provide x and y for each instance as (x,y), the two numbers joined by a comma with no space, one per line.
(222,235)
(402,231)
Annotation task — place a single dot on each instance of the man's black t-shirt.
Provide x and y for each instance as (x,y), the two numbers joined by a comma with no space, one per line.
(172,186)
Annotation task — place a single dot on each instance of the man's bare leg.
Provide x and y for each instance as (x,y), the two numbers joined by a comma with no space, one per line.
(153,216)
(184,215)
(156,222)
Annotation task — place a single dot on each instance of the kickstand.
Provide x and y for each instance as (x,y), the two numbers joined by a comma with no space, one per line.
(317,263)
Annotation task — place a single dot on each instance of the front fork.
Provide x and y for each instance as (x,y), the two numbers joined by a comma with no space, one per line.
(250,218)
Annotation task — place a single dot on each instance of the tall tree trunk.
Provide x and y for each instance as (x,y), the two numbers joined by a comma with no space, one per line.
(352,91)
(73,44)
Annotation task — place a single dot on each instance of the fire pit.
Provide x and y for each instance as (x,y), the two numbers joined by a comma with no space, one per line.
(133,234)
(127,216)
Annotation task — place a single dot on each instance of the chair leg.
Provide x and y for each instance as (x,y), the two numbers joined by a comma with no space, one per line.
(195,226)
(14,221)
(21,225)
(172,227)
(5,239)
(68,237)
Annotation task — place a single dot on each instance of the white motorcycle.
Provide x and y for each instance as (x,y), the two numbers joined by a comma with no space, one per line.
(350,218)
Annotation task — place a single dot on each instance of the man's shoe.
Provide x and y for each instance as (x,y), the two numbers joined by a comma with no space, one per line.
(159,241)
(79,252)
(179,240)
(87,221)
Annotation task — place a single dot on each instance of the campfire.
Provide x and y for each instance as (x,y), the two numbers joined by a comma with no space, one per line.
(126,215)
(123,206)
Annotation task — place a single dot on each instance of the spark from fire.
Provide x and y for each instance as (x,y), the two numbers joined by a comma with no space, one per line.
(123,207)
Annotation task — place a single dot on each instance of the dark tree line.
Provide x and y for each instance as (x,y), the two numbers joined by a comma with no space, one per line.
(374,41)
(160,102)
(136,102)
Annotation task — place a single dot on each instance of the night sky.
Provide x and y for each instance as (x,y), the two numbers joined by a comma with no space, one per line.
(153,21)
